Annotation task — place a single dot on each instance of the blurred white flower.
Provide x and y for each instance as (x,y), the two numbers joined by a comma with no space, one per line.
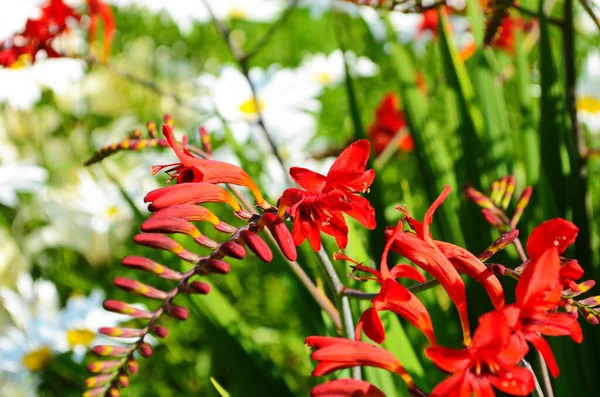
(22,87)
(80,321)
(186,13)
(588,92)
(91,217)
(20,178)
(328,70)
(24,352)
(32,301)
(286,99)
(13,16)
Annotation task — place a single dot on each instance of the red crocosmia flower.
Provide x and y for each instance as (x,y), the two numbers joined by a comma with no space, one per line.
(431,21)
(99,10)
(538,294)
(320,206)
(389,120)
(346,388)
(558,233)
(420,248)
(467,263)
(569,272)
(334,354)
(38,34)
(193,169)
(491,361)
(394,297)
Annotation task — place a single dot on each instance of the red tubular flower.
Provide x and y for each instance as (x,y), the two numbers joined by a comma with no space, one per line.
(346,388)
(321,205)
(490,361)
(193,169)
(389,120)
(339,353)
(534,314)
(394,297)
(100,10)
(420,248)
(467,263)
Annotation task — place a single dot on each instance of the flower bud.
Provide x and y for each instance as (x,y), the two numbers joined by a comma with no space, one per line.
(234,250)
(148,265)
(125,308)
(145,350)
(163,242)
(119,332)
(136,287)
(257,245)
(159,331)
(111,351)
(104,366)
(282,235)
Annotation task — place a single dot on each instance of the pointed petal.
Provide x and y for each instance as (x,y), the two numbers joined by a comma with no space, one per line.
(346,388)
(544,348)
(362,211)
(539,280)
(450,360)
(372,325)
(555,324)
(467,263)
(353,160)
(403,270)
(428,218)
(456,385)
(307,179)
(557,232)
(517,382)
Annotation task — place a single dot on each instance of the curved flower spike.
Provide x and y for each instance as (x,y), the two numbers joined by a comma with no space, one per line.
(422,250)
(346,388)
(193,169)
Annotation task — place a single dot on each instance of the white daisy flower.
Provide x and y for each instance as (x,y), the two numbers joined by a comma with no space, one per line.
(286,99)
(588,93)
(20,178)
(22,87)
(328,70)
(81,319)
(31,301)
(24,352)
(90,217)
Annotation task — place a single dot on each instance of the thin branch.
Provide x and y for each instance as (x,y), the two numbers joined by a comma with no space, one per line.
(588,9)
(537,392)
(415,289)
(338,287)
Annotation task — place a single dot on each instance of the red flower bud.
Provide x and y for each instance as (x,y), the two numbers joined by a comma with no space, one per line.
(145,350)
(160,332)
(140,288)
(197,287)
(118,332)
(148,265)
(257,245)
(218,266)
(132,367)
(234,250)
(162,242)
(282,235)
(111,351)
(125,308)
(104,366)
(177,312)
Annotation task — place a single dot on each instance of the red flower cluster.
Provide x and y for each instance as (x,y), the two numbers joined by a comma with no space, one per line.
(320,207)
(39,34)
(500,341)
(505,38)
(389,121)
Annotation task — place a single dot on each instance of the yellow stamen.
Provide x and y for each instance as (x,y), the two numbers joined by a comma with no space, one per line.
(324,78)
(77,337)
(249,107)
(22,61)
(37,359)
(237,13)
(112,211)
(588,104)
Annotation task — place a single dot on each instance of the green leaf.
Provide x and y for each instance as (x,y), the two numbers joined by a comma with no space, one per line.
(219,388)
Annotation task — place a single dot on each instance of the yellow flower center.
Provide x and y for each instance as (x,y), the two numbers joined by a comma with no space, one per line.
(37,359)
(588,104)
(237,13)
(324,78)
(77,337)
(249,107)
(112,211)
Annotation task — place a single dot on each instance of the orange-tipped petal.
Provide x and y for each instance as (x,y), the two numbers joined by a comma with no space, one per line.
(189,193)
(346,388)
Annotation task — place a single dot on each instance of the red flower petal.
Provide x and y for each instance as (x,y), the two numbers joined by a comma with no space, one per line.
(544,348)
(402,270)
(371,323)
(450,360)
(467,263)
(539,281)
(558,233)
(346,388)
(518,382)
(353,160)
(311,181)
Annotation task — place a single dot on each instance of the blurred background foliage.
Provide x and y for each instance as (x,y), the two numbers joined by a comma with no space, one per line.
(497,113)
